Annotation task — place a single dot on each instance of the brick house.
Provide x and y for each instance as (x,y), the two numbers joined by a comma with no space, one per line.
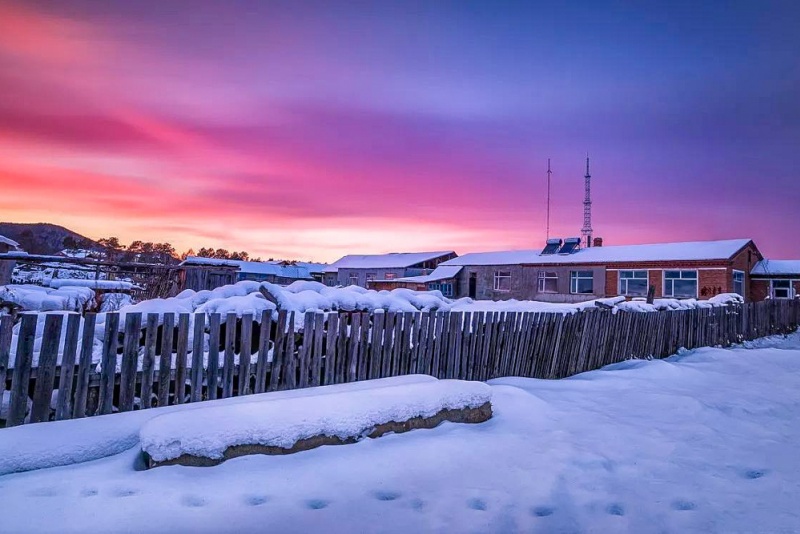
(444,278)
(777,279)
(564,272)
(368,270)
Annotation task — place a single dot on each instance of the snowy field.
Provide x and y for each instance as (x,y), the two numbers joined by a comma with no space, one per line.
(702,442)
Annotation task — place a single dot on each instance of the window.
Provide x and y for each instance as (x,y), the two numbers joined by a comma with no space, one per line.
(445,287)
(370,277)
(353,279)
(680,284)
(581,282)
(781,289)
(548,282)
(738,282)
(502,281)
(633,283)
(390,276)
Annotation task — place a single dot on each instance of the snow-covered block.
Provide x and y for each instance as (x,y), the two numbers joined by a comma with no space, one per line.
(205,437)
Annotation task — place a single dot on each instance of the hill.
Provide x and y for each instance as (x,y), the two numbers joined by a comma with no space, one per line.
(45,238)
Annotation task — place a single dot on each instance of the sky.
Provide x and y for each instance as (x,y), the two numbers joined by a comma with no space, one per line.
(309,130)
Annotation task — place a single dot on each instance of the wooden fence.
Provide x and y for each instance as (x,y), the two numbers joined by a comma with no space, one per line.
(159,361)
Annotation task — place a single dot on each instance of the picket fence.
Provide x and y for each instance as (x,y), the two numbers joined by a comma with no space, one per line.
(154,361)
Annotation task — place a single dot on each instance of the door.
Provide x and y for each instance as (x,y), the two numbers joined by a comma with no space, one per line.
(473,285)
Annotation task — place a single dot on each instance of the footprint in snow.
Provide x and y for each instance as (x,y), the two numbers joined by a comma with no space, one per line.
(682,505)
(383,495)
(615,509)
(317,504)
(477,504)
(543,511)
(193,501)
(753,474)
(256,500)
(417,504)
(124,492)
(89,492)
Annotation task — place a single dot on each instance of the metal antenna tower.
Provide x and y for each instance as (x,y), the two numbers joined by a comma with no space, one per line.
(586,231)
(548,198)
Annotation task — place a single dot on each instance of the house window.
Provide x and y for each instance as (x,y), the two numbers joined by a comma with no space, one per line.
(370,278)
(445,287)
(390,276)
(581,282)
(548,282)
(633,283)
(353,279)
(781,289)
(502,281)
(738,282)
(680,284)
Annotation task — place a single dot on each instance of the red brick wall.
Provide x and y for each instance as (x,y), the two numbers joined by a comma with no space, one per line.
(713,282)
(759,289)
(612,283)
(655,278)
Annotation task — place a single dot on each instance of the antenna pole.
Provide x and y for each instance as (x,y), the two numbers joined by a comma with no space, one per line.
(586,231)
(548,198)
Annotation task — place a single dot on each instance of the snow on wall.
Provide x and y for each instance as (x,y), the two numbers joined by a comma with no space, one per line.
(282,423)
(119,285)
(29,447)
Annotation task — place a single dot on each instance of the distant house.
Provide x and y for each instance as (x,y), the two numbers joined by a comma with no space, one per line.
(230,271)
(776,279)
(7,266)
(564,272)
(372,270)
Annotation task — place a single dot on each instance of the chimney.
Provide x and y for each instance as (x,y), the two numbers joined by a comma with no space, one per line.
(598,242)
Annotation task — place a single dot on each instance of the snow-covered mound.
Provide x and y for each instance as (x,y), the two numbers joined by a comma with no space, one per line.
(37,298)
(29,447)
(118,285)
(282,423)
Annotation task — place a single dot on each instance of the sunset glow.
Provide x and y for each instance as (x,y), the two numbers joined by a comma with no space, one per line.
(316,130)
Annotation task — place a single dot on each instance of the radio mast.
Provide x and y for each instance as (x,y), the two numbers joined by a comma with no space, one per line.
(586,231)
(548,198)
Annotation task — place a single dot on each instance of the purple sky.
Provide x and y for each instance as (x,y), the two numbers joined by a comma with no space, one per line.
(313,129)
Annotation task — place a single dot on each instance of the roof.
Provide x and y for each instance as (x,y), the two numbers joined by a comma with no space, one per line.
(394,260)
(300,271)
(442,272)
(773,267)
(9,242)
(687,251)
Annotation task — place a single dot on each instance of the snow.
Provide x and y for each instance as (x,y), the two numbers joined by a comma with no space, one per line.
(282,423)
(299,270)
(688,251)
(30,447)
(10,242)
(777,267)
(442,272)
(395,260)
(705,441)
(118,285)
(38,298)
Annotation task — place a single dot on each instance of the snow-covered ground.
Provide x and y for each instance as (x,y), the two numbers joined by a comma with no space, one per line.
(702,442)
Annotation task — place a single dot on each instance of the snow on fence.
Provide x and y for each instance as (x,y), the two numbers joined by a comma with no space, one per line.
(213,356)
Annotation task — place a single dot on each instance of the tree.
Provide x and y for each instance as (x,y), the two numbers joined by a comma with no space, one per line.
(70,243)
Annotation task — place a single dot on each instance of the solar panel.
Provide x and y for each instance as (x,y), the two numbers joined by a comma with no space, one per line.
(552,246)
(571,244)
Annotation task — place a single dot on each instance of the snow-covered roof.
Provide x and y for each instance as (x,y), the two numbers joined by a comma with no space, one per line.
(299,270)
(779,267)
(9,242)
(442,272)
(688,251)
(394,260)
